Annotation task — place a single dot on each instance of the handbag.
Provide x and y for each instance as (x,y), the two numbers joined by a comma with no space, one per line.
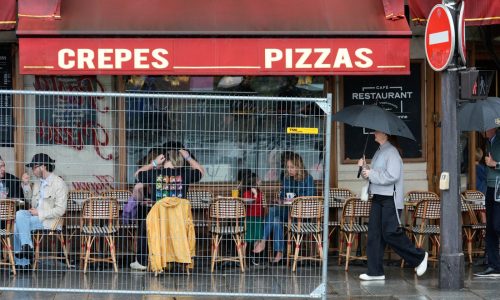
(364,191)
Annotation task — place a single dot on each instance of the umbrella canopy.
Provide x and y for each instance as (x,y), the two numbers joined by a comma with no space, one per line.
(373,117)
(480,115)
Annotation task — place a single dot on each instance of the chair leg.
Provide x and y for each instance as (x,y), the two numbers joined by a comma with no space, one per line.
(298,241)
(288,247)
(90,239)
(60,236)
(38,240)
(238,241)
(319,242)
(8,247)
(215,247)
(341,247)
(348,251)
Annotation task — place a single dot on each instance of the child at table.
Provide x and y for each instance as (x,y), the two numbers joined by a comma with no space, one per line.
(249,190)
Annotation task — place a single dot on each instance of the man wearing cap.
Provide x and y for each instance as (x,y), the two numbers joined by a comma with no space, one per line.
(48,198)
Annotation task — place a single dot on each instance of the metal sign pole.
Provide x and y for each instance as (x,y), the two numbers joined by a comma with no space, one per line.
(451,263)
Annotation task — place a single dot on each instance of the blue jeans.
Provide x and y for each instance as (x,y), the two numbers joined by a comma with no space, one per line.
(274,223)
(25,222)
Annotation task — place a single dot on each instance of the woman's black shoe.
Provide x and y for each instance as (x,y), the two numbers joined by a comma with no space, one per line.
(26,252)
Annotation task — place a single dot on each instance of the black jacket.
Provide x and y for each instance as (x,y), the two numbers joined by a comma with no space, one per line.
(14,185)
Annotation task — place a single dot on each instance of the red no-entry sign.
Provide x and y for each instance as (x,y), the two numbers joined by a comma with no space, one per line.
(439,38)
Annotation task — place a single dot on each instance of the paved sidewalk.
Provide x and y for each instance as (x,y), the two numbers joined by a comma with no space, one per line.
(399,284)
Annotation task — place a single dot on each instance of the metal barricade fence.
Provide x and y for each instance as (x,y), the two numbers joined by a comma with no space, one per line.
(248,169)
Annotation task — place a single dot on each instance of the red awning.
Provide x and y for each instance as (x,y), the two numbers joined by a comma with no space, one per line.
(215,18)
(7,14)
(394,9)
(477,12)
(40,9)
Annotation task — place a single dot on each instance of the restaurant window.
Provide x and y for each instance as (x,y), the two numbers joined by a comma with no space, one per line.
(6,103)
(401,95)
(224,135)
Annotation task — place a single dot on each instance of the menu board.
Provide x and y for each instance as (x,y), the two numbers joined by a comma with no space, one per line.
(6,120)
(398,94)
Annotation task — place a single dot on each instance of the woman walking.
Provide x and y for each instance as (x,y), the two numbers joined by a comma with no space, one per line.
(386,186)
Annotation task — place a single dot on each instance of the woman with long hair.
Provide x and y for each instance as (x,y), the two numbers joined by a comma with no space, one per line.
(296,181)
(168,175)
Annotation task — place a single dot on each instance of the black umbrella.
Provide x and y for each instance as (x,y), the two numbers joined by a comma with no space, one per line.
(373,117)
(480,115)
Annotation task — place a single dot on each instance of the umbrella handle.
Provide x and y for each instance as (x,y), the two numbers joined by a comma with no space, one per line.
(359,171)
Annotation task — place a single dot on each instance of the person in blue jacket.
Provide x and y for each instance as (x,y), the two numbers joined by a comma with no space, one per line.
(297,182)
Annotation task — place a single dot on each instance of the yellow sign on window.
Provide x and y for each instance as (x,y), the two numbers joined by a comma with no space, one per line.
(301,130)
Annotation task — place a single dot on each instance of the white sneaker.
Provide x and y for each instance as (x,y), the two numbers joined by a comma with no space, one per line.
(137,266)
(420,269)
(367,277)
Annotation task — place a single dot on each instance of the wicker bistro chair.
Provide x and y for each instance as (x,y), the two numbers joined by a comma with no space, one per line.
(336,202)
(200,202)
(71,226)
(55,232)
(305,218)
(472,226)
(99,220)
(7,215)
(130,229)
(228,217)
(411,199)
(352,225)
(427,212)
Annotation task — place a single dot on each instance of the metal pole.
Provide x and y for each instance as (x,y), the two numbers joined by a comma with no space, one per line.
(451,263)
(326,194)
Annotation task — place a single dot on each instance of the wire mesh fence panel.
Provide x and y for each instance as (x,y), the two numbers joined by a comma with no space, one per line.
(178,194)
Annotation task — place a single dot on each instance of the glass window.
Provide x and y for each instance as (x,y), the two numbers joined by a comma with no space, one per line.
(224,135)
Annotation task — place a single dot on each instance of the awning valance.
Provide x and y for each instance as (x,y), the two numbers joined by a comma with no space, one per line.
(477,12)
(40,9)
(7,14)
(214,18)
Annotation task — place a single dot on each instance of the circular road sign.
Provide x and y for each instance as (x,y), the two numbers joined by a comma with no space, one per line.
(439,38)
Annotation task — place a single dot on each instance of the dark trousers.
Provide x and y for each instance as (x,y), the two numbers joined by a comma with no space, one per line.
(383,229)
(142,240)
(492,229)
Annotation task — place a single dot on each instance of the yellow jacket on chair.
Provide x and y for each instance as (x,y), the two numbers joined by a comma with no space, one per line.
(171,235)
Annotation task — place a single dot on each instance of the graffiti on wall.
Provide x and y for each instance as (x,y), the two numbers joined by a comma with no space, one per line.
(71,120)
(103,183)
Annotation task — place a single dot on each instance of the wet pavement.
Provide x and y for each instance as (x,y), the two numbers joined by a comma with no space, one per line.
(399,284)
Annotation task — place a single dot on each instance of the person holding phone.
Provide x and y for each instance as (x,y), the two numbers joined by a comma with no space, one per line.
(48,197)
(492,161)
(296,182)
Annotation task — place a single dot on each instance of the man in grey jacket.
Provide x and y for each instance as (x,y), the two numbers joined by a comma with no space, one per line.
(48,197)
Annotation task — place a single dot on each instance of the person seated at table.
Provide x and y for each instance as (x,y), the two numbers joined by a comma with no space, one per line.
(48,197)
(296,181)
(249,189)
(168,176)
(10,185)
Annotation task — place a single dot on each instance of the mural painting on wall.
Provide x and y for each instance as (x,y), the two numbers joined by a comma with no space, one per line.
(71,120)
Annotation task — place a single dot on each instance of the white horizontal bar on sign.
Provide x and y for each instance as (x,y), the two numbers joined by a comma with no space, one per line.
(438,37)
